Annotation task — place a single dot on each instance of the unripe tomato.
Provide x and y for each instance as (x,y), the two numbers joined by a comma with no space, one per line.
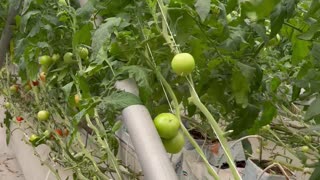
(45,60)
(175,144)
(65,132)
(183,64)
(167,125)
(55,57)
(7,105)
(43,115)
(304,149)
(83,52)
(33,138)
(14,89)
(307,138)
(67,58)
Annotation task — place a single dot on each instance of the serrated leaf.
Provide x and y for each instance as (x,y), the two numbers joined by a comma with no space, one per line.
(316,173)
(7,122)
(240,88)
(32,70)
(119,100)
(244,119)
(103,34)
(277,19)
(315,51)
(67,89)
(314,7)
(300,51)
(26,4)
(203,8)
(86,10)
(25,18)
(84,86)
(313,109)
(83,36)
(141,75)
(313,32)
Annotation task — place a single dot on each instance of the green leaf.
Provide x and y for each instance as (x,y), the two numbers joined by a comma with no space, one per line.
(203,8)
(87,9)
(25,19)
(313,109)
(274,84)
(32,70)
(83,36)
(240,88)
(26,4)
(316,173)
(269,112)
(103,34)
(315,51)
(119,100)
(314,7)
(231,5)
(7,122)
(141,75)
(300,50)
(261,9)
(84,86)
(244,119)
(313,32)
(67,89)
(277,19)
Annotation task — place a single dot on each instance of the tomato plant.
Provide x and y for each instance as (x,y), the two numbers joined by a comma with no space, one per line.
(223,69)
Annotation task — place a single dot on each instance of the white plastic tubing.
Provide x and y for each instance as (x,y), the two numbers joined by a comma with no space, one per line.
(151,154)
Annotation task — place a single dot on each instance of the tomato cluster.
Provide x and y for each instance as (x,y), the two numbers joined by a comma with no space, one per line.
(168,126)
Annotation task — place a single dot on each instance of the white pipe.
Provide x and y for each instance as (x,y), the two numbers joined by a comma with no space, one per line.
(151,154)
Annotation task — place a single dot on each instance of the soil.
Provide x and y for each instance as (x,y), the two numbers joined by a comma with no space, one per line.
(273,170)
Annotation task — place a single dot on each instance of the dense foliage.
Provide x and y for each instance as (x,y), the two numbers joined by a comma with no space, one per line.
(256,67)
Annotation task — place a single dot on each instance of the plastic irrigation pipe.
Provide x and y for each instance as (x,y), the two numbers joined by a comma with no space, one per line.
(151,154)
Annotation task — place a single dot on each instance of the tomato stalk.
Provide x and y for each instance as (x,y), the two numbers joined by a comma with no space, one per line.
(216,128)
(104,144)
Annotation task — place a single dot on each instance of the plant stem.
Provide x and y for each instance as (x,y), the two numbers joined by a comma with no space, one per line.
(217,130)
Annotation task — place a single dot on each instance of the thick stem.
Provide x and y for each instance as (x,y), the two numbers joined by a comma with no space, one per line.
(8,31)
(217,130)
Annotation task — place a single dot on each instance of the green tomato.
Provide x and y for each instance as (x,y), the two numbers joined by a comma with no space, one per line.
(175,144)
(63,2)
(167,125)
(45,60)
(43,115)
(67,58)
(55,57)
(83,52)
(7,105)
(14,89)
(33,138)
(183,64)
(307,138)
(304,149)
